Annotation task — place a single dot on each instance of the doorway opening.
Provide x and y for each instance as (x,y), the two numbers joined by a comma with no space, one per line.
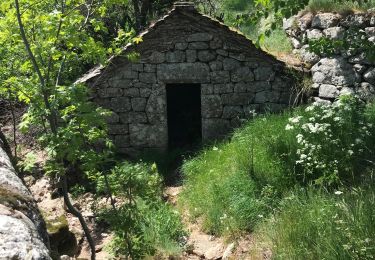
(184,115)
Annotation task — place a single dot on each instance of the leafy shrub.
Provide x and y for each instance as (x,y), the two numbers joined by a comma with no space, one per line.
(317,225)
(339,5)
(142,223)
(332,142)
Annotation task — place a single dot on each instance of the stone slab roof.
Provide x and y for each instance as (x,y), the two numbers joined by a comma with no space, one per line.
(204,22)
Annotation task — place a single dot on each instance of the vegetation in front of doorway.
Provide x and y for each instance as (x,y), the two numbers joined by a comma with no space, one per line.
(280,166)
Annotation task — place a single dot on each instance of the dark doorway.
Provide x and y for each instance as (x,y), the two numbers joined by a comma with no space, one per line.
(184,115)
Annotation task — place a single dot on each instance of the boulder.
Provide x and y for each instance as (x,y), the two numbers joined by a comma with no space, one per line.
(22,229)
(325,20)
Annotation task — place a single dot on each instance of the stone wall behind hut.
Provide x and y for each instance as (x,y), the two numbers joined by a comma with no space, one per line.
(346,71)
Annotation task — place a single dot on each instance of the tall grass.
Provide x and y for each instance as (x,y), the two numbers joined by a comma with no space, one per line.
(235,184)
(317,225)
(339,6)
(226,184)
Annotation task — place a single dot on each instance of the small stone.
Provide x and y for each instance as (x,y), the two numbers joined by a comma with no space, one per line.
(131,92)
(157,57)
(314,34)
(222,52)
(118,129)
(109,92)
(325,20)
(150,68)
(231,64)
(216,43)
(120,104)
(216,65)
(369,76)
(122,141)
(198,46)
(181,46)
(228,251)
(211,106)
(366,91)
(242,74)
(370,31)
(137,117)
(175,56)
(334,33)
(138,104)
(264,73)
(220,77)
(232,112)
(206,55)
(328,91)
(191,55)
(147,77)
(199,37)
(223,88)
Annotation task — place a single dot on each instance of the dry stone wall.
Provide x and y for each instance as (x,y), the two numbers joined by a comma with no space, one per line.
(22,230)
(347,72)
(186,47)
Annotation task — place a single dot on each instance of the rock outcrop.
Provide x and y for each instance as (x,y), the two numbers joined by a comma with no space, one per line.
(346,72)
(22,229)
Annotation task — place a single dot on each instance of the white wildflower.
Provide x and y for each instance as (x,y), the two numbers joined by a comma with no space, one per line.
(289,127)
(338,192)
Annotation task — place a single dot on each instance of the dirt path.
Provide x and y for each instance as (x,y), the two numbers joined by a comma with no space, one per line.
(201,245)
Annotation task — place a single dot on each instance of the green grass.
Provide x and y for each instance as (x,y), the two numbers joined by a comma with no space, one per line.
(233,183)
(321,225)
(339,6)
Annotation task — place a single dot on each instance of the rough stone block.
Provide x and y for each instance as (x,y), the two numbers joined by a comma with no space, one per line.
(131,92)
(118,129)
(129,74)
(109,92)
(335,71)
(264,73)
(232,112)
(120,104)
(231,64)
(113,118)
(222,52)
(175,56)
(334,33)
(216,65)
(137,67)
(138,104)
(198,46)
(146,135)
(181,46)
(328,91)
(122,141)
(366,91)
(199,37)
(237,98)
(147,77)
(137,117)
(216,43)
(243,87)
(191,55)
(242,74)
(314,34)
(223,88)
(325,20)
(211,106)
(267,96)
(207,89)
(215,128)
(145,92)
(184,73)
(150,68)
(206,55)
(369,76)
(220,77)
(156,57)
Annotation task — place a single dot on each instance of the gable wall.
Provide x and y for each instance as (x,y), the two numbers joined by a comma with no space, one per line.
(236,80)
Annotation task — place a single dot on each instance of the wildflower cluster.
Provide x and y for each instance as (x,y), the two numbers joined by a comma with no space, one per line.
(331,140)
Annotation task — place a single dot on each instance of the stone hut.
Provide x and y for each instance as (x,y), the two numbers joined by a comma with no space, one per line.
(195,79)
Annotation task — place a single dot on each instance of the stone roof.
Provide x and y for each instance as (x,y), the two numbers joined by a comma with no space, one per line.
(207,23)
